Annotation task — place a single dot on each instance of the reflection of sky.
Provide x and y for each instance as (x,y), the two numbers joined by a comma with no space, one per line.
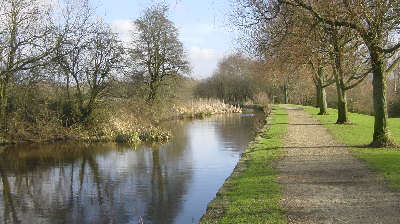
(171,184)
(212,166)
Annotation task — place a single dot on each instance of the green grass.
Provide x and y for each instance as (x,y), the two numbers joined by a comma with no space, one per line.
(252,195)
(359,133)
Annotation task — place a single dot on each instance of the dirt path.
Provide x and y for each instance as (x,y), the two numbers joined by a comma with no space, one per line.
(323,183)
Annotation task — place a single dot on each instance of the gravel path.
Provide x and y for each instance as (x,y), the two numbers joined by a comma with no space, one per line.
(323,183)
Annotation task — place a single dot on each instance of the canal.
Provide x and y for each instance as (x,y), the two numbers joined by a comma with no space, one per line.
(112,183)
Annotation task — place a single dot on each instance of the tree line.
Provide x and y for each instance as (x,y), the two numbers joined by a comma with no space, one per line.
(61,63)
(240,80)
(343,43)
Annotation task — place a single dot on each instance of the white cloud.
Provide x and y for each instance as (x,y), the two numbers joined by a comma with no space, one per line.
(204,61)
(123,27)
(204,53)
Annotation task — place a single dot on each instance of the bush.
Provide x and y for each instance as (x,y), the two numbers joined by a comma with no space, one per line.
(130,138)
(154,134)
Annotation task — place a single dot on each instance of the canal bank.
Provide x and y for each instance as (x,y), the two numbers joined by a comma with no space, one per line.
(251,194)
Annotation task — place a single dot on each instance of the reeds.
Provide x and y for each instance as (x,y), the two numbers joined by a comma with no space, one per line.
(201,108)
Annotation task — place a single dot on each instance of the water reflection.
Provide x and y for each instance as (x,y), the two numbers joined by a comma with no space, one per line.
(109,183)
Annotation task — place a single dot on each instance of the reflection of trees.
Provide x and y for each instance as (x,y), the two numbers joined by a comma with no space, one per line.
(170,175)
(9,208)
(104,183)
(157,191)
(238,131)
(156,177)
(49,181)
(84,184)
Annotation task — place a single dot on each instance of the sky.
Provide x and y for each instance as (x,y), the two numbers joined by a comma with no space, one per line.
(202,26)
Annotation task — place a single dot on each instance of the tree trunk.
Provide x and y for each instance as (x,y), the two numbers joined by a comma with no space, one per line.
(3,107)
(285,94)
(90,106)
(323,106)
(321,94)
(342,101)
(318,99)
(321,99)
(382,137)
(342,107)
(68,95)
(339,78)
(153,92)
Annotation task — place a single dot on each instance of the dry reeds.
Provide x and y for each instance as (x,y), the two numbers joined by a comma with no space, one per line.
(204,107)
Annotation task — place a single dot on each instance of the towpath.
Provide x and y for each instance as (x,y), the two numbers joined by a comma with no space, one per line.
(323,183)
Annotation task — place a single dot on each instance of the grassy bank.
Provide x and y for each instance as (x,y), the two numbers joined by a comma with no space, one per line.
(359,134)
(142,123)
(125,121)
(251,194)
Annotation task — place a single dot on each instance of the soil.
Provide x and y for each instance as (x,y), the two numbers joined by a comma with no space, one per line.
(322,182)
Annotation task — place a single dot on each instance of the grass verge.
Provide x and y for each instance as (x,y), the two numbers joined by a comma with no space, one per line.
(251,194)
(359,133)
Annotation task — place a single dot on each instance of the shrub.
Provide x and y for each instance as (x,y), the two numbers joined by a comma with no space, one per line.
(154,134)
(130,138)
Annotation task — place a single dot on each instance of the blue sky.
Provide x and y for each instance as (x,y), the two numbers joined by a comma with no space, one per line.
(201,23)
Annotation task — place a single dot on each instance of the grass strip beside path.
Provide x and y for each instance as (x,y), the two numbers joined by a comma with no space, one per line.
(359,134)
(251,194)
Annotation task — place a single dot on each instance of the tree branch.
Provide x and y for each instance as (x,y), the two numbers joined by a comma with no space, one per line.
(309,8)
(362,77)
(391,50)
(394,65)
(329,82)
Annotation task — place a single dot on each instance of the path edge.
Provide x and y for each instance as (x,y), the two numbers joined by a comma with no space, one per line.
(217,207)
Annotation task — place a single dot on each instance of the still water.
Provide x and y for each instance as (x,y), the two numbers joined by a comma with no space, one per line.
(110,183)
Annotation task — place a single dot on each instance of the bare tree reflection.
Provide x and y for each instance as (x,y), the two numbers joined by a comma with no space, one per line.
(103,183)
(9,208)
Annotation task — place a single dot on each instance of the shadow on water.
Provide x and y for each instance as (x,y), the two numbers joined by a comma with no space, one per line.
(111,183)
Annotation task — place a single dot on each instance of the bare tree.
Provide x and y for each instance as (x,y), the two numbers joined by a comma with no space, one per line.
(104,59)
(156,51)
(375,22)
(27,40)
(307,46)
(290,40)
(76,19)
(90,57)
(349,65)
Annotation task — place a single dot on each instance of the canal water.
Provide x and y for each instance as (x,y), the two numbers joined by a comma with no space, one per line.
(111,183)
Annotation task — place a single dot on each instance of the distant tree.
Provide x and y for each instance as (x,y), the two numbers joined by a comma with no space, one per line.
(284,47)
(236,80)
(156,51)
